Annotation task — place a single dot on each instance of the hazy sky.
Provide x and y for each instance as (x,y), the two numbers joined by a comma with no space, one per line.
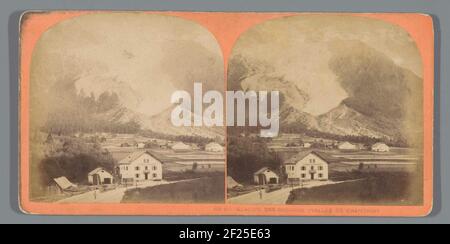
(142,57)
(145,57)
(298,50)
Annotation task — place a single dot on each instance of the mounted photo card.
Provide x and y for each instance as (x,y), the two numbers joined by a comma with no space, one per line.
(215,113)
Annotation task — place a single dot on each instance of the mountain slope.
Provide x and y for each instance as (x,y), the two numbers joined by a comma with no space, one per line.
(384,99)
(344,120)
(162,123)
(159,123)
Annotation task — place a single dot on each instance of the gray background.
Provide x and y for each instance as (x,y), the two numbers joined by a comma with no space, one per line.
(9,15)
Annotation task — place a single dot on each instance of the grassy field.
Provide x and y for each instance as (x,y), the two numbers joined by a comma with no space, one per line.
(396,188)
(208,189)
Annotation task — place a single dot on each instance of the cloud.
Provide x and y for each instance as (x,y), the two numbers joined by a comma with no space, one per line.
(142,57)
(299,50)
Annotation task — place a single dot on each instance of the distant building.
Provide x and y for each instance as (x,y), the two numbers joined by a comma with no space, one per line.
(347,146)
(100,176)
(140,166)
(195,147)
(140,145)
(265,176)
(181,147)
(307,166)
(306,145)
(380,147)
(214,147)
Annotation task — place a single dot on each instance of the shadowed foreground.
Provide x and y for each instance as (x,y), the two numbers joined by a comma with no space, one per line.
(203,190)
(375,188)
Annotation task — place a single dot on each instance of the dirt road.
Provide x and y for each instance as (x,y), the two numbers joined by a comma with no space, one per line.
(275,197)
(112,196)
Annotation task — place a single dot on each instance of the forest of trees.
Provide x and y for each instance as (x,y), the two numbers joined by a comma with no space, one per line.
(301,129)
(184,138)
(72,158)
(366,140)
(246,155)
(78,112)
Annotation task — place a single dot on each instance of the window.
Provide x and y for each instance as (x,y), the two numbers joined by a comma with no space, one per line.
(137,176)
(320,167)
(146,167)
(155,175)
(312,167)
(303,168)
(312,160)
(154,167)
(320,175)
(303,176)
(137,168)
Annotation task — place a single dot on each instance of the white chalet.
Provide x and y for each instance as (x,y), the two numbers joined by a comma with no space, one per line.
(380,147)
(140,166)
(307,166)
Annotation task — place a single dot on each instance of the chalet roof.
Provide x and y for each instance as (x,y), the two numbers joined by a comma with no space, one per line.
(231,183)
(64,183)
(214,144)
(346,143)
(301,155)
(262,170)
(181,146)
(98,170)
(135,155)
(379,144)
(95,171)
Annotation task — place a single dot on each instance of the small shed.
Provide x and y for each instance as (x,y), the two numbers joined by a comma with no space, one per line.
(100,176)
(231,183)
(63,183)
(265,176)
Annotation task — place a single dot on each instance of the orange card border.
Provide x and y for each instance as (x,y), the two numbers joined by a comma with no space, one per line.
(34,23)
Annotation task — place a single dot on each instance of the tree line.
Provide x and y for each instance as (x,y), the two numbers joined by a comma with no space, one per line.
(79,112)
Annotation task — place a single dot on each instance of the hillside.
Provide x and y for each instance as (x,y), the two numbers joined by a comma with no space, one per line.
(383,99)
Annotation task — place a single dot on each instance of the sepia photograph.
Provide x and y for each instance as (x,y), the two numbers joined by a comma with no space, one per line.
(224,121)
(351,113)
(227,113)
(100,130)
